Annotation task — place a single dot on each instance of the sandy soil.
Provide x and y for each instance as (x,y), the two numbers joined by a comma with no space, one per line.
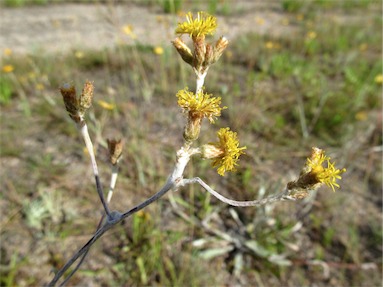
(61,28)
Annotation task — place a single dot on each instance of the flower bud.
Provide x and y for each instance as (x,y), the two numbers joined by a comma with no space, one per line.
(115,150)
(199,53)
(86,96)
(192,128)
(71,102)
(183,50)
(220,46)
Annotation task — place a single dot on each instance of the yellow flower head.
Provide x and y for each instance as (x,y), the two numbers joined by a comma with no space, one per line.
(199,105)
(105,105)
(8,68)
(379,79)
(158,50)
(204,24)
(224,153)
(317,170)
(7,52)
(323,169)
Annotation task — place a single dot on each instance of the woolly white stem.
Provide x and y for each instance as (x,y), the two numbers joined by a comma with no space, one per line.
(200,81)
(280,197)
(113,180)
(88,143)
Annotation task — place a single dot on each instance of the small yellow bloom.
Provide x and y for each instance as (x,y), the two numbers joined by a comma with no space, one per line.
(204,24)
(311,35)
(323,169)
(7,52)
(363,47)
(269,45)
(79,54)
(106,105)
(379,79)
(31,75)
(259,21)
(361,116)
(199,105)
(225,153)
(39,86)
(300,17)
(128,30)
(8,68)
(158,50)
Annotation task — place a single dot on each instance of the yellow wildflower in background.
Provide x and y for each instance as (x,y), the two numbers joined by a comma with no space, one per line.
(259,21)
(40,86)
(7,52)
(106,105)
(199,105)
(311,35)
(363,47)
(79,54)
(158,50)
(128,30)
(225,153)
(204,24)
(269,45)
(379,79)
(8,68)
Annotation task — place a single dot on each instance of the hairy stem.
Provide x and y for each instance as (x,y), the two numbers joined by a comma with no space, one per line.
(280,197)
(88,143)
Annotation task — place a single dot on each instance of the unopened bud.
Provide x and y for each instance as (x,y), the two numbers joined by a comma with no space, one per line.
(86,96)
(192,128)
(183,50)
(71,102)
(199,52)
(209,55)
(115,150)
(220,46)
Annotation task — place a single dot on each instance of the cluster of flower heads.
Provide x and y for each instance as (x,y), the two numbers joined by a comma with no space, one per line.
(224,153)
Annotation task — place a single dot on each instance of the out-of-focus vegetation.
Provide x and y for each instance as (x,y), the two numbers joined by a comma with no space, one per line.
(319,86)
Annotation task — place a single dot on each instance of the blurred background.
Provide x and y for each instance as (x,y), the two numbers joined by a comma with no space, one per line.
(296,74)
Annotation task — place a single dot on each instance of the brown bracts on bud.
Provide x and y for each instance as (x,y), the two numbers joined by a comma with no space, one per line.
(86,96)
(115,150)
(183,50)
(208,55)
(77,106)
(199,54)
(71,102)
(192,128)
(220,46)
